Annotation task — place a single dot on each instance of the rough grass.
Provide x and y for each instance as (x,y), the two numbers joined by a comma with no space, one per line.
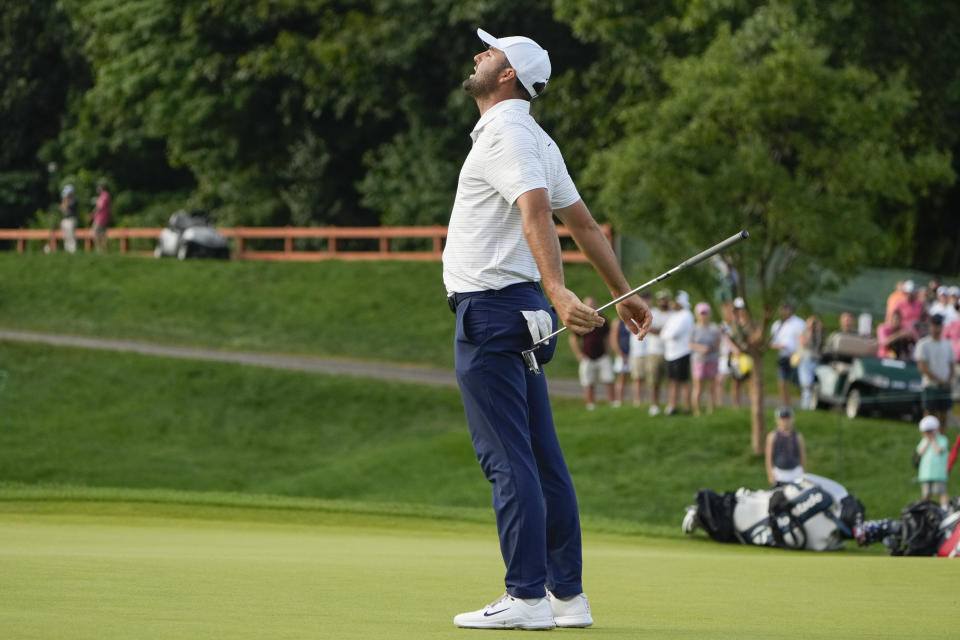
(93,419)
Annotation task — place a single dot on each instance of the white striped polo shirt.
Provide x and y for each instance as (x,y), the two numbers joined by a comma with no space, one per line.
(511,155)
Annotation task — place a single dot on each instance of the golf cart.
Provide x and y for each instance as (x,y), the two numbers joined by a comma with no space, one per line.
(852,376)
(191,235)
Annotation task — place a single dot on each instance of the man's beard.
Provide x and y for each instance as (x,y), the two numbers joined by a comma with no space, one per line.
(478,86)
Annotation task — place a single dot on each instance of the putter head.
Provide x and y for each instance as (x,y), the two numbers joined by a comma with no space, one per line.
(530,357)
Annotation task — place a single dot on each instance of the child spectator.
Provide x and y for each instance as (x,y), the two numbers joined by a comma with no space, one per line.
(786,453)
(932,471)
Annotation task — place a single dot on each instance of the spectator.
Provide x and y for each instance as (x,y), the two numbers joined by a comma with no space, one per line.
(68,219)
(894,340)
(951,332)
(656,365)
(676,351)
(101,216)
(810,348)
(704,354)
(784,335)
(639,350)
(740,362)
(943,306)
(591,350)
(935,360)
(894,298)
(953,298)
(847,323)
(910,307)
(622,349)
(726,350)
(932,470)
(785,454)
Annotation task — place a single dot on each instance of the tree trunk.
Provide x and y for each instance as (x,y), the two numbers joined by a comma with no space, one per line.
(758,422)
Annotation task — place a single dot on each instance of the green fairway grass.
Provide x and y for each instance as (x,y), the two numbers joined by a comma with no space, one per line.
(91,419)
(102,571)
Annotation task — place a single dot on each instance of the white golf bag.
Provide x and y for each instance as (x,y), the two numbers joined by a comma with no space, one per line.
(813,513)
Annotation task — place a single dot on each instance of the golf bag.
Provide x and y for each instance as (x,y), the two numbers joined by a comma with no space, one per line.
(923,529)
(813,513)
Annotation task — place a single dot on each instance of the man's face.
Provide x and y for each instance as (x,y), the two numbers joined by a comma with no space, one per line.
(846,322)
(935,330)
(663,303)
(486,73)
(786,311)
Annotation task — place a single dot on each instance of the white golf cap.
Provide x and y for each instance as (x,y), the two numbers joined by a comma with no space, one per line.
(67,190)
(943,290)
(909,287)
(738,303)
(527,58)
(683,299)
(929,423)
(954,291)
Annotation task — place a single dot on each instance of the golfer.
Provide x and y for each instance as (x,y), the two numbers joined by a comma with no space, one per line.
(502,255)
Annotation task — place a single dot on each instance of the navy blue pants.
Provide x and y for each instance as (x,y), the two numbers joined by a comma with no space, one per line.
(511,425)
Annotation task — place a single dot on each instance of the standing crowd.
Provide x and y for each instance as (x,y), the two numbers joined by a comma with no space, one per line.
(683,364)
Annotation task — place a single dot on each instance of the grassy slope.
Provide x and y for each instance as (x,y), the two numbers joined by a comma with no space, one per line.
(391,311)
(379,311)
(79,417)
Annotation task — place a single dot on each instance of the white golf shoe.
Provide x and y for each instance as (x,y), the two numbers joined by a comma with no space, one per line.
(508,612)
(570,612)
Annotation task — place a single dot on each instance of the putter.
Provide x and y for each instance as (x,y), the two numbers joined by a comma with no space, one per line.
(530,355)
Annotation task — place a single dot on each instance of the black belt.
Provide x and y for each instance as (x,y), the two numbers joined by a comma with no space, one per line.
(454,299)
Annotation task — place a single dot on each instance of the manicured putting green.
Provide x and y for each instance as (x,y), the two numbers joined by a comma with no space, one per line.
(119,570)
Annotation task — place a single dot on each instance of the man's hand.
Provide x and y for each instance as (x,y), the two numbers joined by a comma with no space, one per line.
(635,313)
(575,315)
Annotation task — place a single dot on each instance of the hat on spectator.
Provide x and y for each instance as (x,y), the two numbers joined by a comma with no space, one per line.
(663,294)
(738,303)
(936,319)
(784,412)
(943,290)
(683,299)
(955,291)
(908,286)
(702,307)
(929,423)
(67,190)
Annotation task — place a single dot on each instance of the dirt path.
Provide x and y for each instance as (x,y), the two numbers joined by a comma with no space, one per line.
(333,366)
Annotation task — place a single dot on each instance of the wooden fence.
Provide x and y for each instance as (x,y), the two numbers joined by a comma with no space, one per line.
(334,236)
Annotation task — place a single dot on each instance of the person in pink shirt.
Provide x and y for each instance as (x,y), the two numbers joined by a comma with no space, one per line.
(895,340)
(952,333)
(101,216)
(911,307)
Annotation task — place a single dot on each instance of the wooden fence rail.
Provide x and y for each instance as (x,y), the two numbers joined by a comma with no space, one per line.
(242,251)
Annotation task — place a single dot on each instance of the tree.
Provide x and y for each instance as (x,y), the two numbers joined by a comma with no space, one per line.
(762,132)
(39,69)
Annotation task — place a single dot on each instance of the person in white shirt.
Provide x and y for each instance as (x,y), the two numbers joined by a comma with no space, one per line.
(676,334)
(502,244)
(935,360)
(943,306)
(784,337)
(655,364)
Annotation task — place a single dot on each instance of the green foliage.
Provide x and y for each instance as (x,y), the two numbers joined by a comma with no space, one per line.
(39,66)
(761,132)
